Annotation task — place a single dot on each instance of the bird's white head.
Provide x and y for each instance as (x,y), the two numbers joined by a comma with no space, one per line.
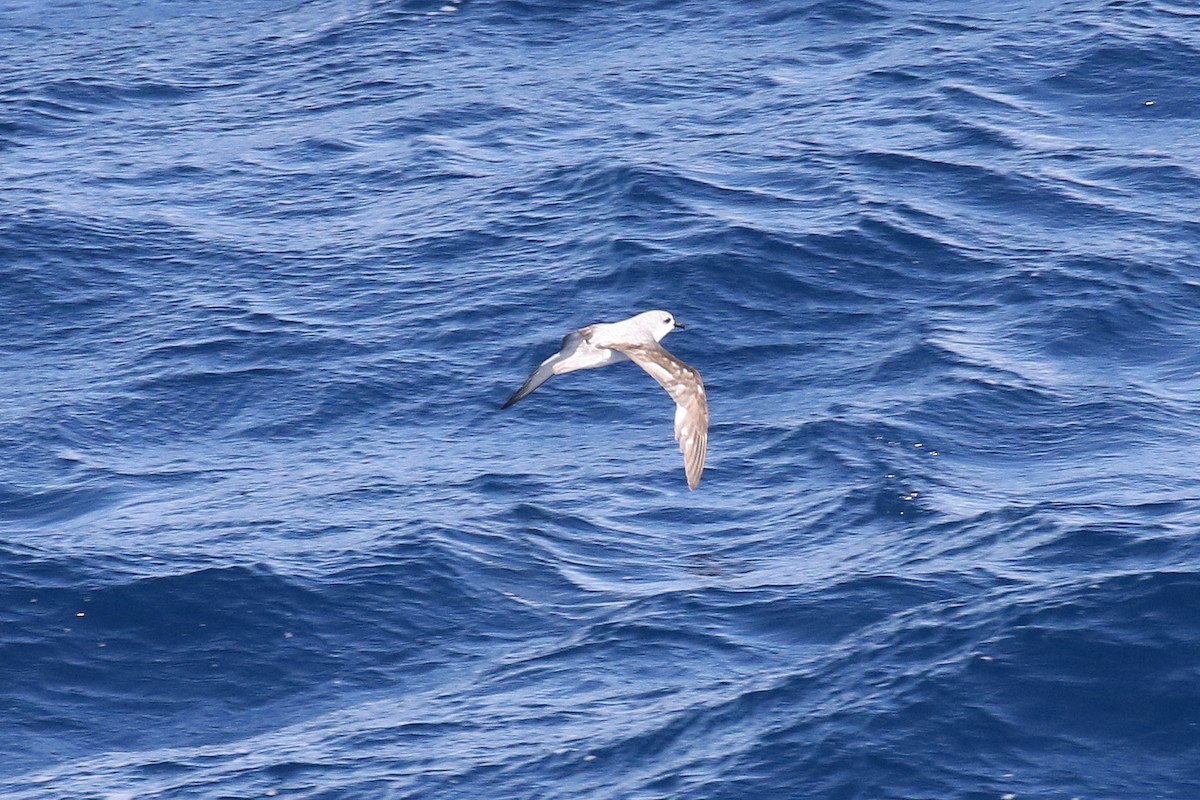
(658,323)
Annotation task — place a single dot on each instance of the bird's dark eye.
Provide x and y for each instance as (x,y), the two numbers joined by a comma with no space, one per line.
(668,319)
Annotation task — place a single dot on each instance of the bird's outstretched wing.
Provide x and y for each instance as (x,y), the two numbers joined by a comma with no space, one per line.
(691,405)
(547,369)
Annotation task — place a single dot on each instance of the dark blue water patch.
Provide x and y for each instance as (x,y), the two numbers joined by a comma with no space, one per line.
(1025,195)
(190,639)
(631,190)
(52,261)
(97,93)
(1001,740)
(1113,313)
(905,356)
(1117,327)
(537,21)
(976,136)
(317,149)
(29,566)
(173,175)
(831,13)
(1121,61)
(464,245)
(758,625)
(39,116)
(215,644)
(204,402)
(1106,662)
(830,616)
(1158,179)
(1101,545)
(46,506)
(992,420)
(69,266)
(783,273)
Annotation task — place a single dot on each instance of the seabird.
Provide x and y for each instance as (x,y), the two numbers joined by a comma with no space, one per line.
(637,339)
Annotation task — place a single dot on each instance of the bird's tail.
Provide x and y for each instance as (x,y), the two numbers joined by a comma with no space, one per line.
(540,375)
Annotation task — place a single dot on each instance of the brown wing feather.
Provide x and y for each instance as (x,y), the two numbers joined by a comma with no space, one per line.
(691,405)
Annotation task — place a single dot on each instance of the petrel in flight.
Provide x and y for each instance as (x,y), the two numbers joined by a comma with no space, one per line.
(637,339)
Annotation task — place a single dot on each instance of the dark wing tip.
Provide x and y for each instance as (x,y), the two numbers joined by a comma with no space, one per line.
(517,395)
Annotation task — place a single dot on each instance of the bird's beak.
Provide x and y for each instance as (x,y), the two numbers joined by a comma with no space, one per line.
(680,325)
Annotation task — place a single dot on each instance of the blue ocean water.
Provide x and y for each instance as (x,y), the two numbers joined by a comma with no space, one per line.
(268,270)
